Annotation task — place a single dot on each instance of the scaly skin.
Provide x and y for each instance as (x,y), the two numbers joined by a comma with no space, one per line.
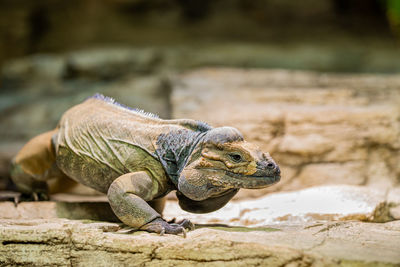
(137,158)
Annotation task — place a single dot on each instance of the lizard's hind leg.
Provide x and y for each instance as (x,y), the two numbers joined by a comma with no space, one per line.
(34,165)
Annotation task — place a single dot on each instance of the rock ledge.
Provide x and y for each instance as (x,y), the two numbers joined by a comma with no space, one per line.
(62,242)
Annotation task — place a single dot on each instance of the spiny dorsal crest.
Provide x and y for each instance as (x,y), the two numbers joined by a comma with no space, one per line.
(135,110)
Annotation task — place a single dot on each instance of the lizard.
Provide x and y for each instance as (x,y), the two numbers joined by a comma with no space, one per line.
(137,158)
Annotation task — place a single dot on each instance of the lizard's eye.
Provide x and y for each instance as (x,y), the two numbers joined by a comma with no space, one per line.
(235,157)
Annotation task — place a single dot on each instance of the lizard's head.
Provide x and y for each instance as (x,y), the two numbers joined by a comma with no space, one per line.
(223,160)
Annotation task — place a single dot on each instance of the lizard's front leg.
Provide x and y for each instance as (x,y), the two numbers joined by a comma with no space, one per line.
(128,196)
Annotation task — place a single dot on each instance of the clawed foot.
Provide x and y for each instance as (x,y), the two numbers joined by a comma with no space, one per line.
(162,227)
(34,196)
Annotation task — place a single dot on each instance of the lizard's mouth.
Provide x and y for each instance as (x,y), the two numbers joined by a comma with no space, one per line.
(257,180)
(238,175)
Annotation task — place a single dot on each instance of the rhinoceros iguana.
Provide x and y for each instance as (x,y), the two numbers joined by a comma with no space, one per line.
(137,158)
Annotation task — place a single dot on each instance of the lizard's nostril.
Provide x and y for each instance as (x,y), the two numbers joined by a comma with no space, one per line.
(270,165)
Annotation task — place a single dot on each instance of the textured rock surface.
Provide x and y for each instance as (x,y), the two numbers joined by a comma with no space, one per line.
(305,228)
(321,128)
(61,242)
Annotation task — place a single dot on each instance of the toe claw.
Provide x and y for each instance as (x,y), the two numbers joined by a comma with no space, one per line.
(191,227)
(16,201)
(187,224)
(184,232)
(162,231)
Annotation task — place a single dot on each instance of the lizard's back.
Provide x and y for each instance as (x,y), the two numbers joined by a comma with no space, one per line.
(99,141)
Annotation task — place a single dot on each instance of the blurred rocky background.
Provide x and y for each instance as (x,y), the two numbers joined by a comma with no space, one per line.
(326,35)
(321,128)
